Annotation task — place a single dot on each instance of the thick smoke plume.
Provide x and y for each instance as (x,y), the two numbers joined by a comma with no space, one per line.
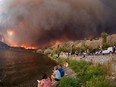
(40,22)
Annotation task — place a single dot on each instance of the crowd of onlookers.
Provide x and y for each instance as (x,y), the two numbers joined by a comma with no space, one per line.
(58,73)
(87,52)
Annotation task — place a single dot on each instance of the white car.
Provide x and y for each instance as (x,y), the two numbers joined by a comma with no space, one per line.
(108,50)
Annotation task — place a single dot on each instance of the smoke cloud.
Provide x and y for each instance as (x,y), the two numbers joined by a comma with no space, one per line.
(40,22)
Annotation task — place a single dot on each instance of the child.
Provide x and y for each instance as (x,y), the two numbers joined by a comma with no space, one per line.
(65,64)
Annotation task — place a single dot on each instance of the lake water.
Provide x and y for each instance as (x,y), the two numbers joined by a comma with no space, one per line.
(22,69)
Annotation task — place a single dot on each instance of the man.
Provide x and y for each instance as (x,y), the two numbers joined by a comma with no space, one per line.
(61,70)
(56,76)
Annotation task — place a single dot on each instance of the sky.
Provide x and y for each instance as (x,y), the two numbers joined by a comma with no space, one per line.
(39,23)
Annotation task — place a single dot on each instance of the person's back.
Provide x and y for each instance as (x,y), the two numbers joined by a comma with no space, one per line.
(61,70)
(57,75)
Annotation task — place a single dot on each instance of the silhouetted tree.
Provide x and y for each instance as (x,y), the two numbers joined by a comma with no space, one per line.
(104,37)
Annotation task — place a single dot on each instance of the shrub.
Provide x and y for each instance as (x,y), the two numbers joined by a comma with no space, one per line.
(94,70)
(104,37)
(106,45)
(47,51)
(68,82)
(99,82)
(107,67)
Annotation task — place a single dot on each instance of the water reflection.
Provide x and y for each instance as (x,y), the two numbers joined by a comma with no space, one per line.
(25,68)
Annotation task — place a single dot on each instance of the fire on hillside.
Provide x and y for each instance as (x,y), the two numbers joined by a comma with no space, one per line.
(23,46)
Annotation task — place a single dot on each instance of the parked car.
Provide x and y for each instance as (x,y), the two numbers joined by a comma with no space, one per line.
(108,50)
(98,52)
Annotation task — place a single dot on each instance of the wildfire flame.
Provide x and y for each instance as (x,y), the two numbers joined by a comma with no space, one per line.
(54,43)
(23,46)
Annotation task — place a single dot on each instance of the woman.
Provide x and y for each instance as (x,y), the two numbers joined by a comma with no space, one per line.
(45,82)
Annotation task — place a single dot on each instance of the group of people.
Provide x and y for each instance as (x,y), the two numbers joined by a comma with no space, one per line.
(58,73)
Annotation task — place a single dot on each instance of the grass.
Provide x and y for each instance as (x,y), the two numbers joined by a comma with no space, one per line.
(68,82)
(88,75)
(114,59)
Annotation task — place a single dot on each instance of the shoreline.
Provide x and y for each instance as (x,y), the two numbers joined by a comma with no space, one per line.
(105,59)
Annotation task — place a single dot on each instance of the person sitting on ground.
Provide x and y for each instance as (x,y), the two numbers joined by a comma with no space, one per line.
(45,82)
(84,56)
(61,70)
(56,75)
(91,61)
(65,64)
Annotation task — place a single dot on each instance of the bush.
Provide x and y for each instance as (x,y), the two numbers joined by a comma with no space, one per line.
(106,45)
(104,37)
(60,60)
(68,82)
(47,51)
(94,70)
(107,67)
(99,82)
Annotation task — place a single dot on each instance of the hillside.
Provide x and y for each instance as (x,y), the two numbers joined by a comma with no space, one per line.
(96,43)
(3,45)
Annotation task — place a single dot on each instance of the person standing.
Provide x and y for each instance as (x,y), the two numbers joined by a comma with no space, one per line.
(113,49)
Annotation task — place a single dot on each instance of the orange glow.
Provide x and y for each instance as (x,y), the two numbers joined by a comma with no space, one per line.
(55,43)
(10,32)
(58,41)
(24,46)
